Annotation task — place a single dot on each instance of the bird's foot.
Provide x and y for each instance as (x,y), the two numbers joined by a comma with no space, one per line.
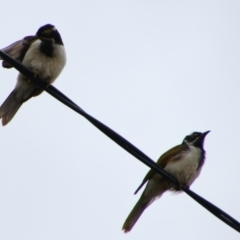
(35,75)
(181,186)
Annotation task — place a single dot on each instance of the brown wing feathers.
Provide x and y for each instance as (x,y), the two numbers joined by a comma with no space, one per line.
(170,155)
(17,50)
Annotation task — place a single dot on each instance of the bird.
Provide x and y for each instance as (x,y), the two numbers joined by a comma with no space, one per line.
(184,162)
(44,54)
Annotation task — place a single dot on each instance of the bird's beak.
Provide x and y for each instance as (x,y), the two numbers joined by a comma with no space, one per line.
(205,134)
(201,138)
(199,141)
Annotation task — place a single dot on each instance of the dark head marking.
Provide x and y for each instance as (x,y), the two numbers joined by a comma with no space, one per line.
(196,139)
(193,136)
(49,33)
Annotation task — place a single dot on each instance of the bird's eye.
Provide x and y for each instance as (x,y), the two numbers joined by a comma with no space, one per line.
(47,32)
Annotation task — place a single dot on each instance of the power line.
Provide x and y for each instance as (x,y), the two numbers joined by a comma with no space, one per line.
(120,141)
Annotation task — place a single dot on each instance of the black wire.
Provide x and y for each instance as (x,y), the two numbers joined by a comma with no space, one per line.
(121,141)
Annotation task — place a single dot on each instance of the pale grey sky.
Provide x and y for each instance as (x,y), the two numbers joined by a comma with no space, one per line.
(154,71)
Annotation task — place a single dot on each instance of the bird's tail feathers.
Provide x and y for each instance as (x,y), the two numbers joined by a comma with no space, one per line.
(137,211)
(9,108)
(134,215)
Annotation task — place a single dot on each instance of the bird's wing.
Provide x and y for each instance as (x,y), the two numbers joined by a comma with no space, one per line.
(172,154)
(17,50)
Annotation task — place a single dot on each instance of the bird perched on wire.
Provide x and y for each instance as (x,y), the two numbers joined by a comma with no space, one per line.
(42,53)
(184,162)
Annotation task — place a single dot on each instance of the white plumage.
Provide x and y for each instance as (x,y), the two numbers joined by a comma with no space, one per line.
(46,67)
(186,170)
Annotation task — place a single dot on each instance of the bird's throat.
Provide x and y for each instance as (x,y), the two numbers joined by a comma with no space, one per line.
(46,47)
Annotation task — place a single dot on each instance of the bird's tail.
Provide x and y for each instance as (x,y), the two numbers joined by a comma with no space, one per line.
(9,108)
(135,214)
(149,195)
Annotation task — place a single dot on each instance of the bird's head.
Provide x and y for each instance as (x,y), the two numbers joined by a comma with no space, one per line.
(50,33)
(196,139)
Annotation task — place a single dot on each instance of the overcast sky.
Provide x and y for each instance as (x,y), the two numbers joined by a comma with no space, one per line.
(154,71)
